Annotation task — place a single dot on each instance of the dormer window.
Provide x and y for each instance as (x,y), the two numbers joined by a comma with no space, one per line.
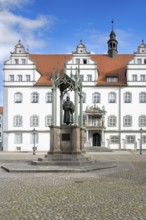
(112,79)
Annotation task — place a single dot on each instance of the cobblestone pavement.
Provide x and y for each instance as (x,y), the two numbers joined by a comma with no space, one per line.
(113,194)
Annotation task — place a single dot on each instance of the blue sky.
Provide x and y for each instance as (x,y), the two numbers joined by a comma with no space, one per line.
(56,26)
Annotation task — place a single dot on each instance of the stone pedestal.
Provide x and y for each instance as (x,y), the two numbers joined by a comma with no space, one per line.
(82,140)
(76,141)
(67,139)
(54,139)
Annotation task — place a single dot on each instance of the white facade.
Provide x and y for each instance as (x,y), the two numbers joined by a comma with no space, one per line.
(1,128)
(113,115)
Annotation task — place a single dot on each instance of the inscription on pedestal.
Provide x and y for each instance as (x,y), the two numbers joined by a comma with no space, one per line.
(65,137)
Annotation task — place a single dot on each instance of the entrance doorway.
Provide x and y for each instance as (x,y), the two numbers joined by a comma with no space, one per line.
(96,139)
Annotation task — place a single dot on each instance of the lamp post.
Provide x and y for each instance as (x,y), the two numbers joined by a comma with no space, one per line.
(34,133)
(140,142)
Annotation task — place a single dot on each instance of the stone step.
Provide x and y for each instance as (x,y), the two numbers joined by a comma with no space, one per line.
(98,149)
(67,157)
(64,159)
(63,163)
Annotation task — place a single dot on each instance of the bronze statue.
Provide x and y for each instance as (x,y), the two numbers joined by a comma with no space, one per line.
(68,108)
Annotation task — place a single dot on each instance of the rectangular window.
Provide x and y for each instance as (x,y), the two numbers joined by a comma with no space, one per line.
(84,61)
(18,138)
(142,78)
(127,121)
(77,61)
(112,79)
(18,121)
(34,97)
(23,61)
(139,61)
(20,78)
(11,78)
(112,121)
(18,97)
(114,139)
(82,77)
(16,61)
(28,78)
(144,139)
(134,78)
(89,78)
(49,97)
(142,97)
(144,61)
(130,139)
(48,121)
(112,97)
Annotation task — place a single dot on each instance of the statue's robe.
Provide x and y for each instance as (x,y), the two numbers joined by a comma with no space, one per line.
(68,108)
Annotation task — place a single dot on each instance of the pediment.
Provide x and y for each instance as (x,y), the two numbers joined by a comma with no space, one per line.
(95,110)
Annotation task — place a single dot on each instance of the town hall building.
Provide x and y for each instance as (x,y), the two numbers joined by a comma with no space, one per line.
(114,96)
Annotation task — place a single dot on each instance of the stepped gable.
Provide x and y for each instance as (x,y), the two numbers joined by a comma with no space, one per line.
(107,66)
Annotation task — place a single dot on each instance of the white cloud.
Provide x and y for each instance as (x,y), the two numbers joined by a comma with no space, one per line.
(14,27)
(9,4)
(97,40)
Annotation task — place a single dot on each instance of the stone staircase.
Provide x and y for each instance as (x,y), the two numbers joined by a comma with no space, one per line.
(65,160)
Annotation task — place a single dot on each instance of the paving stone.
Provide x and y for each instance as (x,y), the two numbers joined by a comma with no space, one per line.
(114,194)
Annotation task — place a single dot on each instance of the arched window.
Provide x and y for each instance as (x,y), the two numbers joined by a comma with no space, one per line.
(112,121)
(96,97)
(112,97)
(127,97)
(142,121)
(48,120)
(34,121)
(17,121)
(142,97)
(18,97)
(49,97)
(34,97)
(127,121)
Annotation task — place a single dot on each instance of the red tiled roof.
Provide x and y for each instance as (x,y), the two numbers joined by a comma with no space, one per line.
(1,110)
(108,66)
(47,64)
